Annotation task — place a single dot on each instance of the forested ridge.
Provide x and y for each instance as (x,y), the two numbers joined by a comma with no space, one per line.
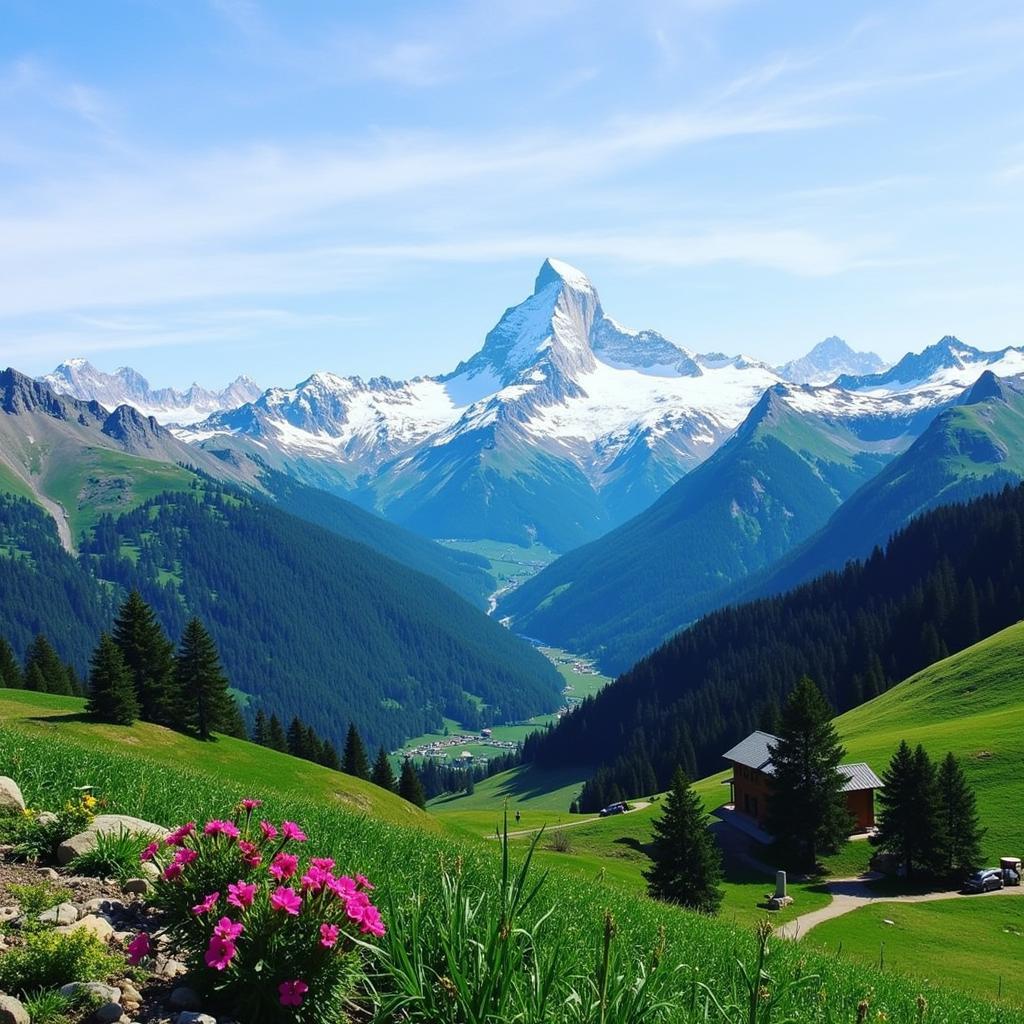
(307,622)
(948,579)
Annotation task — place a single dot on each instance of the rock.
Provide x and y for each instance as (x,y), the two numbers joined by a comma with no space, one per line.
(103,905)
(63,913)
(11,800)
(108,1013)
(184,998)
(8,913)
(138,886)
(129,993)
(105,824)
(97,926)
(12,1012)
(49,873)
(150,870)
(106,993)
(46,818)
(190,1017)
(167,967)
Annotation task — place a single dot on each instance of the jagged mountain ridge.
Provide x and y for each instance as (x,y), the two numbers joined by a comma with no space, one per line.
(828,360)
(125,386)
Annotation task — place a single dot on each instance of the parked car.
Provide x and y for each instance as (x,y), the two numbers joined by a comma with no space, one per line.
(986,880)
(607,812)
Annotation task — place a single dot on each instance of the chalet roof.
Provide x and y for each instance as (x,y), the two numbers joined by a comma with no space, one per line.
(753,752)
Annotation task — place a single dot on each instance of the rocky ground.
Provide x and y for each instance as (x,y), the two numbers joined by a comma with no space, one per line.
(112,911)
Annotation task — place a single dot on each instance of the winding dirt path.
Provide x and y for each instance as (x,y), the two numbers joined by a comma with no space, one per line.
(849,894)
(637,805)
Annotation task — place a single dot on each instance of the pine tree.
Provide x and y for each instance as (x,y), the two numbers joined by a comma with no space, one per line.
(111,690)
(43,668)
(807,810)
(908,819)
(959,832)
(276,738)
(10,670)
(329,756)
(686,864)
(260,729)
(149,655)
(298,738)
(354,760)
(205,701)
(382,775)
(409,786)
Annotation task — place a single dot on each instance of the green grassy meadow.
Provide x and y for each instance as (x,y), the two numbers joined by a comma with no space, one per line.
(46,746)
(975,944)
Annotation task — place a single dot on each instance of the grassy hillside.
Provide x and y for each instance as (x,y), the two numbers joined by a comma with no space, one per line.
(59,721)
(772,485)
(405,863)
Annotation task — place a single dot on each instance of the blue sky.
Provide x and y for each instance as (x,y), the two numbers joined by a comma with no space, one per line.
(199,189)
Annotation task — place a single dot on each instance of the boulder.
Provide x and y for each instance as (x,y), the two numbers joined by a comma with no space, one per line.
(104,992)
(63,913)
(108,1013)
(184,998)
(138,886)
(98,927)
(46,818)
(47,873)
(105,824)
(12,1012)
(11,800)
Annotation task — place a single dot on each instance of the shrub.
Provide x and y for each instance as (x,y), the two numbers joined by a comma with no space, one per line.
(33,839)
(35,899)
(266,934)
(49,959)
(115,855)
(560,841)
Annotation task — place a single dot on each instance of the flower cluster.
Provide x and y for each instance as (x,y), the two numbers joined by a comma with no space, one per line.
(271,933)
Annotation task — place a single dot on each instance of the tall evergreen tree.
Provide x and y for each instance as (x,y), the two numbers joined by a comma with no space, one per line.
(10,670)
(260,729)
(149,655)
(276,738)
(686,864)
(44,671)
(298,738)
(908,819)
(959,830)
(409,786)
(807,810)
(354,760)
(111,690)
(206,703)
(382,775)
(329,756)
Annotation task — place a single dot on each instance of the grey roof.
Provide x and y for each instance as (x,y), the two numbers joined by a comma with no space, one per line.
(753,752)
(860,776)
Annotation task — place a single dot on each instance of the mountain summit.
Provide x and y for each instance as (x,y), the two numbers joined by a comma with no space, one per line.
(828,360)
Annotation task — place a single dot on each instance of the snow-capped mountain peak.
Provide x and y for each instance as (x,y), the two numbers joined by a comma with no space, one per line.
(126,386)
(828,360)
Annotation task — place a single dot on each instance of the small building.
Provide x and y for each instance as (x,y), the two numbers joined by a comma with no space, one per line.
(751,782)
(486,733)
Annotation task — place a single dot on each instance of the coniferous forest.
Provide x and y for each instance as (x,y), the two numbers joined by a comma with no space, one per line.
(306,622)
(950,578)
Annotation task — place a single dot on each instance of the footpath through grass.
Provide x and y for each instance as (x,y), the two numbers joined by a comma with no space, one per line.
(49,758)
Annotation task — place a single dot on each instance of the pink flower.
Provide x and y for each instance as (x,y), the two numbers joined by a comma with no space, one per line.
(315,879)
(224,828)
(356,906)
(248,804)
(138,948)
(227,929)
(185,856)
(372,923)
(286,899)
(269,831)
(172,871)
(207,904)
(328,935)
(179,835)
(343,887)
(250,854)
(241,894)
(292,831)
(284,866)
(219,953)
(291,992)
(149,852)
(364,883)
(322,863)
